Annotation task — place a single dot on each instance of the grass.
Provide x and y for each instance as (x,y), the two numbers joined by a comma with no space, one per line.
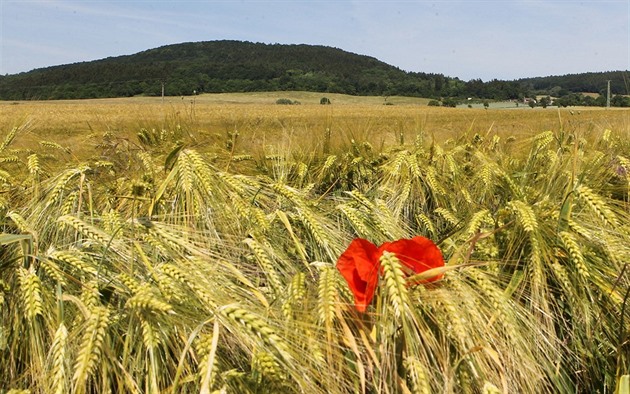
(190,247)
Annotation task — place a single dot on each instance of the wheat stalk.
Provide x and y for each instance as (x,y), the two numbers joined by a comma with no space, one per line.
(61,183)
(53,270)
(84,228)
(394,284)
(525,214)
(58,354)
(476,221)
(447,215)
(258,327)
(416,374)
(146,300)
(75,259)
(91,347)
(268,267)
(296,293)
(8,139)
(149,336)
(570,244)
(209,362)
(326,297)
(426,223)
(90,296)
(597,204)
(30,292)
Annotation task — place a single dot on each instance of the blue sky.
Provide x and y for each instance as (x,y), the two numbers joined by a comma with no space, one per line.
(503,39)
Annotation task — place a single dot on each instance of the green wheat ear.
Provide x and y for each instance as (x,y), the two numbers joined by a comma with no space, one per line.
(597,204)
(395,284)
(58,354)
(31,293)
(91,347)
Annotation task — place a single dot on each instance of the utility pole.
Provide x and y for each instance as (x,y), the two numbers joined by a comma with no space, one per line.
(162,92)
(608,95)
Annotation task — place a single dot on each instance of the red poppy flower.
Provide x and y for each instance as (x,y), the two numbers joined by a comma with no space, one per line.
(360,264)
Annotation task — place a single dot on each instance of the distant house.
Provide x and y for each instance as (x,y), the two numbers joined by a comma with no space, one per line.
(527,100)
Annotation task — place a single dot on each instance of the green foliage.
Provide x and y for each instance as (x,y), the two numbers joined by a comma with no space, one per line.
(593,82)
(450,102)
(545,101)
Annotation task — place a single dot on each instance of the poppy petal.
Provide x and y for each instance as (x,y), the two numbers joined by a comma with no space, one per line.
(364,253)
(363,293)
(359,267)
(417,254)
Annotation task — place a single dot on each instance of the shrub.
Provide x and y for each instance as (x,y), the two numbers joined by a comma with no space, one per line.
(286,101)
(450,102)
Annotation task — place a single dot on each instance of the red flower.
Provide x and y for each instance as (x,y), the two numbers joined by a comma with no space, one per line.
(360,264)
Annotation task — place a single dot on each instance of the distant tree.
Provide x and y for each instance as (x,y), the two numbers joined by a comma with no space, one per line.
(545,101)
(438,83)
(620,101)
(531,103)
(588,101)
(450,102)
(486,104)
(600,100)
(433,103)
(286,101)
(324,101)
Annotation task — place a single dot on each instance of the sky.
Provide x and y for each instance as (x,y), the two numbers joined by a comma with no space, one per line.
(476,39)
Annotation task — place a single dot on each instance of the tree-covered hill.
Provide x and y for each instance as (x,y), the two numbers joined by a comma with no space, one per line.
(234,66)
(222,66)
(237,66)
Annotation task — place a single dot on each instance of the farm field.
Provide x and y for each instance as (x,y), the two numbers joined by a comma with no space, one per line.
(193,245)
(207,119)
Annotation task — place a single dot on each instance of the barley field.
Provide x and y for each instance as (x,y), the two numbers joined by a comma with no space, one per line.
(190,246)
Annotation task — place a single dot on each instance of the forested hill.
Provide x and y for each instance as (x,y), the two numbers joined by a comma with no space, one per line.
(231,66)
(236,66)
(220,66)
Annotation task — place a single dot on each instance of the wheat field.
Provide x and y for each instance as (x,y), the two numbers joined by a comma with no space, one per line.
(189,246)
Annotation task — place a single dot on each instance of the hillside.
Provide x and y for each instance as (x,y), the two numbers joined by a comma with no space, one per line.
(236,66)
(233,66)
(219,66)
